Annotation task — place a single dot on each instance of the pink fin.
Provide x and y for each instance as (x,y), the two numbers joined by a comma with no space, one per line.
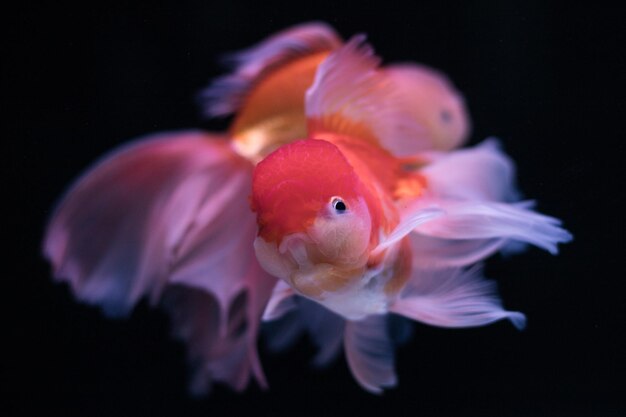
(351,96)
(482,172)
(167,210)
(324,327)
(408,222)
(214,352)
(432,252)
(453,297)
(281,301)
(489,220)
(370,353)
(473,187)
(225,95)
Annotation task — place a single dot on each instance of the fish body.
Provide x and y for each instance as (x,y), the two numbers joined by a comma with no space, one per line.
(336,197)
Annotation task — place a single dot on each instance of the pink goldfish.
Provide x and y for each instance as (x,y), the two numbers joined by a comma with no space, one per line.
(267,90)
(358,210)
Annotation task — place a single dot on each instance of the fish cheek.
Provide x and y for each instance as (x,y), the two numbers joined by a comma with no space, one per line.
(271,260)
(343,239)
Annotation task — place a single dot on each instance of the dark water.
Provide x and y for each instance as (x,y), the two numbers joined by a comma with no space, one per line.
(545,79)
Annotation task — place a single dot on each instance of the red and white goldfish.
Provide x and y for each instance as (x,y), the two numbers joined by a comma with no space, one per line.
(335,199)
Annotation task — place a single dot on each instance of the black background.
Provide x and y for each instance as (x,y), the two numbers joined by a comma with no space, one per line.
(545,79)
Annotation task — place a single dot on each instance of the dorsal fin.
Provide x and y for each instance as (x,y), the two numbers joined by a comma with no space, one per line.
(351,96)
(273,111)
(226,94)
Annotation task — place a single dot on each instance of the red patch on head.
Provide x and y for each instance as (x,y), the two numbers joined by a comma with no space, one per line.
(293,184)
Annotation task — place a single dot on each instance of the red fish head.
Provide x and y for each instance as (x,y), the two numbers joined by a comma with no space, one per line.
(314,223)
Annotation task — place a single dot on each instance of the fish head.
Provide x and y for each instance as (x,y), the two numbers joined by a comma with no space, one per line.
(433,102)
(315,227)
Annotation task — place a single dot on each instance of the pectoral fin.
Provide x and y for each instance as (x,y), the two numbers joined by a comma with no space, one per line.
(408,223)
(453,297)
(370,353)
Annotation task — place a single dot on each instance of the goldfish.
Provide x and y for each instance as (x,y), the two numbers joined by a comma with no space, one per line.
(266,95)
(336,201)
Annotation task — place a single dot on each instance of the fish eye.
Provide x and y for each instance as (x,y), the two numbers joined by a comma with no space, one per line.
(446,116)
(338,204)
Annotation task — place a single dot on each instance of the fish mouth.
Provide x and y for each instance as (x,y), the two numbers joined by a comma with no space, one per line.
(314,274)
(323,280)
(298,262)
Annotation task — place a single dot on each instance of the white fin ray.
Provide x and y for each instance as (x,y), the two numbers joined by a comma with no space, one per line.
(370,353)
(281,301)
(488,220)
(453,297)
(408,223)
(432,252)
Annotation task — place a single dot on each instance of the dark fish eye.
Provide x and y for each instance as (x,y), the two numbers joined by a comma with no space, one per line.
(339,205)
(446,116)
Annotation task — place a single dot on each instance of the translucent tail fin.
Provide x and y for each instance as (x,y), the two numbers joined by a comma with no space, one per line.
(165,212)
